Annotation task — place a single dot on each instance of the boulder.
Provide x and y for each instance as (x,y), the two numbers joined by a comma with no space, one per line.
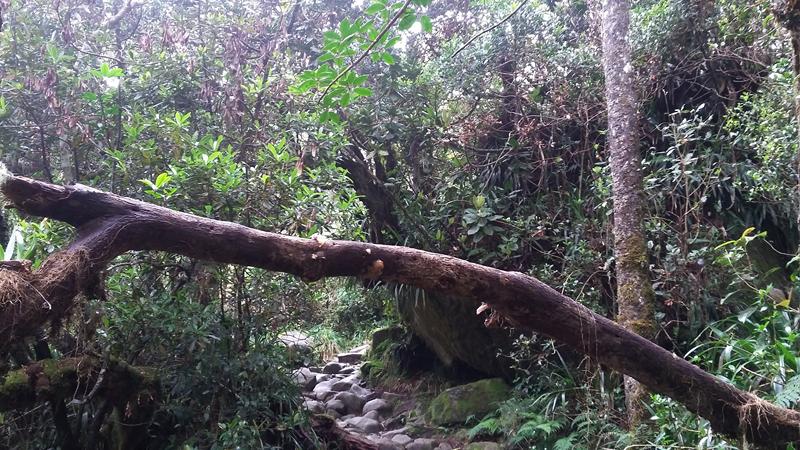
(314,407)
(386,444)
(349,358)
(402,439)
(299,347)
(421,444)
(450,328)
(476,399)
(341,385)
(347,370)
(383,335)
(482,446)
(364,424)
(321,377)
(332,368)
(352,378)
(361,392)
(351,401)
(444,446)
(362,349)
(305,378)
(378,405)
(391,433)
(323,390)
(336,405)
(372,415)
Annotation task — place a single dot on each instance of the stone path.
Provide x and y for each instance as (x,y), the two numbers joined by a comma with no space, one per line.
(338,390)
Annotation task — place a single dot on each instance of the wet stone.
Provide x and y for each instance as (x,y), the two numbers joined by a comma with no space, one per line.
(364,424)
(332,368)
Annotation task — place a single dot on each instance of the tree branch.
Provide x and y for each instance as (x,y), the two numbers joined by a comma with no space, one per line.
(369,49)
(109,225)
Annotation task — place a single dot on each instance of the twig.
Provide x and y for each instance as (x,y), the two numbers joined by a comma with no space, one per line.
(114,20)
(505,19)
(369,49)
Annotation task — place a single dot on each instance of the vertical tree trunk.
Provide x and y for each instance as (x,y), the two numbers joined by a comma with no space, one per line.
(788,14)
(794,32)
(634,289)
(68,172)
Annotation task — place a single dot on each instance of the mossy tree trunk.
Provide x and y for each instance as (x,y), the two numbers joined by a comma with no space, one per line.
(634,289)
(788,14)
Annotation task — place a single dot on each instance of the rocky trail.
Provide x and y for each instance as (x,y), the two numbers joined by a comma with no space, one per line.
(391,421)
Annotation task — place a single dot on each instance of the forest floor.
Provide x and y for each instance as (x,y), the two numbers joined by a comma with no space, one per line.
(393,420)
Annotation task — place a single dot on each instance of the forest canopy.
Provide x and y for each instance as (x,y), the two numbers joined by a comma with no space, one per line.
(222,218)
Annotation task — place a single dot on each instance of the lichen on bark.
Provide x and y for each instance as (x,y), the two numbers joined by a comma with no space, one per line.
(635,296)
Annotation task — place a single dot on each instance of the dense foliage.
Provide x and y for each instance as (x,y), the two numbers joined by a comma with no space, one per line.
(266,114)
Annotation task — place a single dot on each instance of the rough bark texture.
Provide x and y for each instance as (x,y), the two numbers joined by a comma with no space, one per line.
(109,225)
(788,13)
(634,289)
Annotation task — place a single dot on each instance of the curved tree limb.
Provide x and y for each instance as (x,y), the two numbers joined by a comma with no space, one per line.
(108,225)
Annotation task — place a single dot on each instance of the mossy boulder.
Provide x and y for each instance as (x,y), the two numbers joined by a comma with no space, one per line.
(457,404)
(383,337)
(451,329)
(482,446)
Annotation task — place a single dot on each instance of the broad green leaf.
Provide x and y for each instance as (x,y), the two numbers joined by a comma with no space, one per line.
(374,8)
(387,58)
(407,21)
(427,26)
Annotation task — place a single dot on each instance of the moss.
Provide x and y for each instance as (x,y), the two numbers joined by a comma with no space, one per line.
(15,390)
(482,446)
(476,399)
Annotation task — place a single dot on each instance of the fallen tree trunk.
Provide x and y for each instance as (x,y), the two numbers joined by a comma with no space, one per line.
(108,225)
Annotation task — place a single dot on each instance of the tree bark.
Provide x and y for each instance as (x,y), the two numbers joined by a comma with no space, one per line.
(788,14)
(108,225)
(635,297)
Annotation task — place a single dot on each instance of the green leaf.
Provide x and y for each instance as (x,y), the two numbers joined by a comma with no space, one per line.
(331,36)
(344,27)
(374,8)
(790,393)
(162,179)
(427,25)
(329,116)
(303,87)
(327,56)
(387,58)
(362,91)
(407,21)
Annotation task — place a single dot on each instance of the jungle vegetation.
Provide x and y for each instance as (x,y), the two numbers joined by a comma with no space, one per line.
(598,202)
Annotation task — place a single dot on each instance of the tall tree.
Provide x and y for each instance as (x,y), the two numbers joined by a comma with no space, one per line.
(634,289)
(788,13)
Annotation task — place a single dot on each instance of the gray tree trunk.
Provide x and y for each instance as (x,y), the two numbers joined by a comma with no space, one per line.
(634,288)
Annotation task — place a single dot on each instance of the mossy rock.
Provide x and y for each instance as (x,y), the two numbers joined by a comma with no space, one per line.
(382,338)
(452,330)
(482,446)
(457,404)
